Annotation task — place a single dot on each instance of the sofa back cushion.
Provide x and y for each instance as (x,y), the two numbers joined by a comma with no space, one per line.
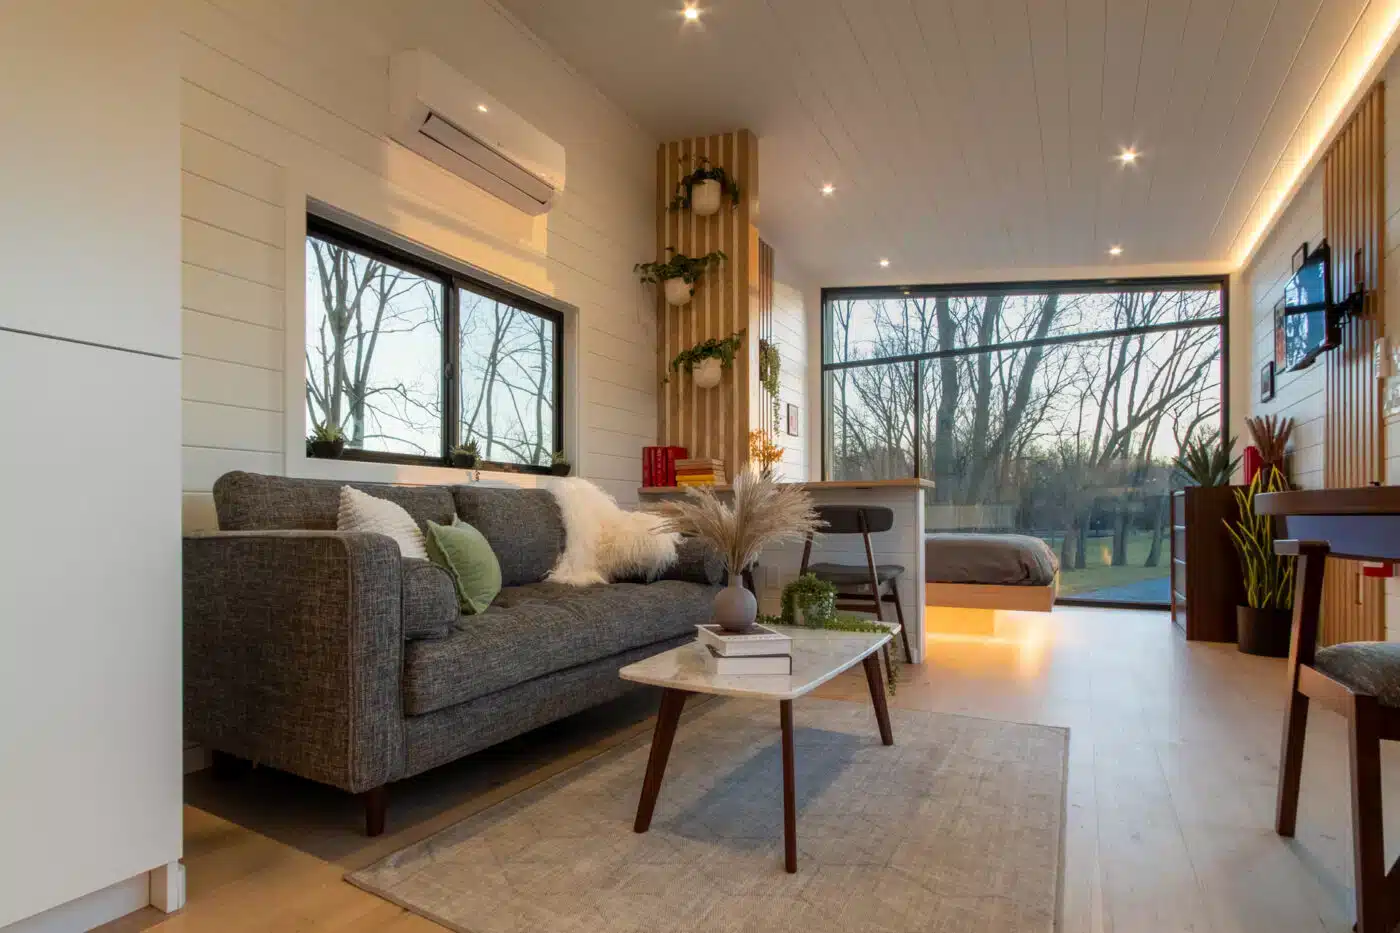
(257,502)
(523,526)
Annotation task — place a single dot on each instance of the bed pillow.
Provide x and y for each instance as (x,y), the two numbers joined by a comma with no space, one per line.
(465,553)
(360,511)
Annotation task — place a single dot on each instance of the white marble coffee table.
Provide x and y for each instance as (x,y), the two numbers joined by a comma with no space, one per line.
(817,656)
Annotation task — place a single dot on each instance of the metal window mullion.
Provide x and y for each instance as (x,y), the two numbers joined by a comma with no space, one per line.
(452,369)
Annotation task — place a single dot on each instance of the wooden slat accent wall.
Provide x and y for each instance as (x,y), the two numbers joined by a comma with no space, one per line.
(765,329)
(714,422)
(1354,215)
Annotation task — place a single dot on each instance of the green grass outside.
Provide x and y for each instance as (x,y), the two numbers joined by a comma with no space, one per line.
(1098,572)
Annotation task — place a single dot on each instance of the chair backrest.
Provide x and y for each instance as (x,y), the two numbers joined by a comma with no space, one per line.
(845,519)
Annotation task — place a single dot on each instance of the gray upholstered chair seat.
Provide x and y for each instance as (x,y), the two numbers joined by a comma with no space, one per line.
(852,574)
(1370,667)
(542,628)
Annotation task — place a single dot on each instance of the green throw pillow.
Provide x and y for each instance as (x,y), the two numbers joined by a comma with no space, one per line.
(465,553)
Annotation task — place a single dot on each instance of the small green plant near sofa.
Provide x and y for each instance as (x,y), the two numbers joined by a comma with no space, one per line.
(326,441)
(464,456)
(559,464)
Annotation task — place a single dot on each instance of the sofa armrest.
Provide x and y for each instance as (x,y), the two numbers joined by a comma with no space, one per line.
(695,563)
(294,649)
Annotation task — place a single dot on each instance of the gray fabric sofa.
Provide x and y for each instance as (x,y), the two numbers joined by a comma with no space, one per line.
(329,655)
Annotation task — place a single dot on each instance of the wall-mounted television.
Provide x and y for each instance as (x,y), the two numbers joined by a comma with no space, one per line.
(1307,322)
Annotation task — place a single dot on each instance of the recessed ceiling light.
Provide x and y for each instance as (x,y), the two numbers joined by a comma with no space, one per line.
(828,189)
(1115,250)
(1128,156)
(691,13)
(482,108)
(884,263)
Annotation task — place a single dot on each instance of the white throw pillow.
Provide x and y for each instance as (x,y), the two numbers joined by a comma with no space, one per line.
(603,542)
(362,512)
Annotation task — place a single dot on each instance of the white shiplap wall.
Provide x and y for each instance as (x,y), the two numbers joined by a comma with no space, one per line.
(282,101)
(790,334)
(1301,395)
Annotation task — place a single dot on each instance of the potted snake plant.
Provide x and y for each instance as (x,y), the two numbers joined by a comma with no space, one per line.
(1265,621)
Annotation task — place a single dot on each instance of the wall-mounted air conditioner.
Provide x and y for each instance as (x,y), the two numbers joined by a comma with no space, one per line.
(439,114)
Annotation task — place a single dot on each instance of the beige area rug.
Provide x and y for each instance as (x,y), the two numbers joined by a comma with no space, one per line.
(956,828)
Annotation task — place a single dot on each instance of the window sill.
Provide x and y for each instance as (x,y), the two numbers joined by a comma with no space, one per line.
(352,470)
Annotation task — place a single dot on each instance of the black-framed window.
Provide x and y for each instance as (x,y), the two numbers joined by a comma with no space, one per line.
(411,359)
(1051,409)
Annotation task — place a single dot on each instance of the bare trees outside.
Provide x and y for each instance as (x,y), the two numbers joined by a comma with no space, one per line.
(1053,412)
(378,368)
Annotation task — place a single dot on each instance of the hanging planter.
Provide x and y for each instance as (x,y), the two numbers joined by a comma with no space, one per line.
(707,360)
(707,373)
(678,291)
(703,189)
(678,273)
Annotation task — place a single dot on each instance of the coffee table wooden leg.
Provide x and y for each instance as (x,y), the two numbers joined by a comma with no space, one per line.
(789,791)
(877,696)
(672,702)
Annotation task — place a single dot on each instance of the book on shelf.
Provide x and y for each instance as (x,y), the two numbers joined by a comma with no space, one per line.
(760,639)
(749,664)
(658,465)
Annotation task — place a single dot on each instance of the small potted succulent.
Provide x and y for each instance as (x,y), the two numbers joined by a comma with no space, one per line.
(559,464)
(678,273)
(703,189)
(464,456)
(706,360)
(327,441)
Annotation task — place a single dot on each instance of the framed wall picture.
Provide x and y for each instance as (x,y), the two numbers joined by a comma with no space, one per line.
(792,420)
(1266,382)
(1280,347)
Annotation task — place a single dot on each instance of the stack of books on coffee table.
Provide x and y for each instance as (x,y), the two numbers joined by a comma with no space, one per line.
(759,651)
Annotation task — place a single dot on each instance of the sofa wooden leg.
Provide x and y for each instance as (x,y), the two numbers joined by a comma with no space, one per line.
(376,806)
(227,767)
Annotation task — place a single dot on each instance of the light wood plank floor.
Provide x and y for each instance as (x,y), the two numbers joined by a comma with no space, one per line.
(1173,757)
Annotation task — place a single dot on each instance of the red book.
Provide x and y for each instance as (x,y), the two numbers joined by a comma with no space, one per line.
(672,455)
(646,466)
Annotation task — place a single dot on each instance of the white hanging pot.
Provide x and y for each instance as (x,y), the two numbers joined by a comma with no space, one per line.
(705,197)
(678,291)
(707,373)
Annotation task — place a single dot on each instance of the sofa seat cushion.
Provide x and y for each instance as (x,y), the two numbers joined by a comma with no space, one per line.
(537,632)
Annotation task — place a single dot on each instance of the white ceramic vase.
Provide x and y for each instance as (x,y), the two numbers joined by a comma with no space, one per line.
(707,373)
(705,197)
(678,291)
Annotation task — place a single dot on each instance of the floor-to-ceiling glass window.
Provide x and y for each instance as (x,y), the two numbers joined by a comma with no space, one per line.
(1051,409)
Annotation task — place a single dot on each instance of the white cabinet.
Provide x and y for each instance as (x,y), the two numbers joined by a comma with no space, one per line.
(90,743)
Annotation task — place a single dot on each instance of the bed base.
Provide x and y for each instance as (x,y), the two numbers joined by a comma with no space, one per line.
(989,596)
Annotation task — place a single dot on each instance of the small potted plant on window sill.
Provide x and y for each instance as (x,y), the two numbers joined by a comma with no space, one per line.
(464,456)
(678,273)
(706,360)
(559,464)
(327,442)
(704,188)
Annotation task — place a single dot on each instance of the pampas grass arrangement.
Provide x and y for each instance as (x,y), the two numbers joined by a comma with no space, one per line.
(763,512)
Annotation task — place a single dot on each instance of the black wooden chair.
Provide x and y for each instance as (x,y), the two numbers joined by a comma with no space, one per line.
(1361,681)
(870,578)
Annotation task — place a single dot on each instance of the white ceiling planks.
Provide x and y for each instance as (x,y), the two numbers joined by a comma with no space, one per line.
(976,138)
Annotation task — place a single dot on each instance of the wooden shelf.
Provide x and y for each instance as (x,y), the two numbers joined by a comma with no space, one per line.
(814,487)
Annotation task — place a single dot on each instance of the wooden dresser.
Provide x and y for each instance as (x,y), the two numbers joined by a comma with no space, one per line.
(1206,580)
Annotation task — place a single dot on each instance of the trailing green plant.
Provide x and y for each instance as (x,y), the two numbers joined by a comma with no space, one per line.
(770,367)
(723,349)
(327,433)
(678,266)
(1268,577)
(704,171)
(1206,461)
(814,596)
(845,622)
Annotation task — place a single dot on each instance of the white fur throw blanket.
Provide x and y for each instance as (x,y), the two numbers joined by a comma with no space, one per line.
(603,542)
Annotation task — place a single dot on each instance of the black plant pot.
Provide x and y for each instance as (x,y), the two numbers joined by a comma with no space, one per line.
(464,461)
(1264,632)
(560,469)
(326,450)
